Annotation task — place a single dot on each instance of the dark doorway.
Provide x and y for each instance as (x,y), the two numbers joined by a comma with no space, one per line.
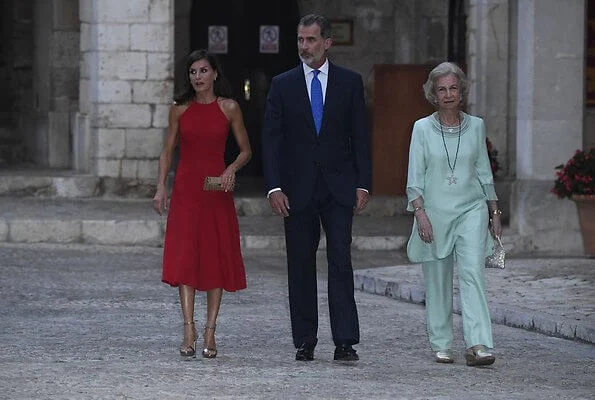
(457,31)
(248,70)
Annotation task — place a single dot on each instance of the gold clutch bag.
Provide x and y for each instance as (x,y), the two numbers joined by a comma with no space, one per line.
(497,259)
(212,183)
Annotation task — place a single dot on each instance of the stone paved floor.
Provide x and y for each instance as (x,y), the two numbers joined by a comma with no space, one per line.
(83,322)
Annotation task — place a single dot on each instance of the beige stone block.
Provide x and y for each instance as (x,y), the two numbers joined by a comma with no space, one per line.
(162,10)
(558,89)
(557,234)
(51,231)
(147,169)
(263,242)
(109,37)
(86,14)
(88,64)
(127,233)
(3,230)
(122,65)
(144,143)
(123,116)
(154,92)
(152,37)
(128,11)
(129,168)
(111,143)
(108,167)
(554,142)
(74,186)
(114,92)
(160,116)
(160,66)
(379,242)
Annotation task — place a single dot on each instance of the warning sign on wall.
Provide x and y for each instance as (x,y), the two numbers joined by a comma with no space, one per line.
(269,38)
(218,39)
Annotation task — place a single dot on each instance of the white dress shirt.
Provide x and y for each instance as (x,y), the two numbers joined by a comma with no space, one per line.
(322,77)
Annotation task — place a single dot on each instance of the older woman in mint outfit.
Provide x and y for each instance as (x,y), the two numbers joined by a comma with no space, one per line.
(450,190)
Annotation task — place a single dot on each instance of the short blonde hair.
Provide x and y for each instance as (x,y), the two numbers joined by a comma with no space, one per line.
(444,69)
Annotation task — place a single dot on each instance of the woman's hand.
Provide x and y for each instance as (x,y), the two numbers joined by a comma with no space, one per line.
(228,179)
(424,227)
(160,200)
(495,226)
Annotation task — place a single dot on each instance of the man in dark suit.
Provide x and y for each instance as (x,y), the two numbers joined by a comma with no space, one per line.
(316,158)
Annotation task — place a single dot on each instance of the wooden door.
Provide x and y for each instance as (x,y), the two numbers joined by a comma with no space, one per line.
(398,102)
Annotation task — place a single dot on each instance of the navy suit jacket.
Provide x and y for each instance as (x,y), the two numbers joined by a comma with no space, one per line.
(292,151)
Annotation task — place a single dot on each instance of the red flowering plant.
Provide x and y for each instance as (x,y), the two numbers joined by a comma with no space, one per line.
(577,176)
(492,155)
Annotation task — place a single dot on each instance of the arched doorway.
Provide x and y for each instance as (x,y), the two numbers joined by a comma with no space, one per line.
(248,69)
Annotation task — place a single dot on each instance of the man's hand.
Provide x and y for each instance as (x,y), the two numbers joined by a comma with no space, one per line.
(279,203)
(361,200)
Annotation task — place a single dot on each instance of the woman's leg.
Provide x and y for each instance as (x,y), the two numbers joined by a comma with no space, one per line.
(438,281)
(187,294)
(213,305)
(470,253)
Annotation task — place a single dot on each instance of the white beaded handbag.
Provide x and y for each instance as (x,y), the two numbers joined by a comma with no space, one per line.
(497,259)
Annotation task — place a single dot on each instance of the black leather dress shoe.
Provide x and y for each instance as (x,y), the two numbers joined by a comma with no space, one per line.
(305,352)
(345,353)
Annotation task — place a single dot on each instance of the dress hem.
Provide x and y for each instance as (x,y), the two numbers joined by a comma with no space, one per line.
(203,288)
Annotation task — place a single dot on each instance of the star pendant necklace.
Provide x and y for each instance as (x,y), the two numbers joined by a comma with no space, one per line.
(452,179)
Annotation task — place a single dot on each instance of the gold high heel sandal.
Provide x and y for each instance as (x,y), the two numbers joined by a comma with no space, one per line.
(209,352)
(189,351)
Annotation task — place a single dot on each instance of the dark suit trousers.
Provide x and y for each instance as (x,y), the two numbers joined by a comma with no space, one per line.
(302,235)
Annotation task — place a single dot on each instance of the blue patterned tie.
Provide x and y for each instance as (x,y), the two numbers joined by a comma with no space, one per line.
(316,100)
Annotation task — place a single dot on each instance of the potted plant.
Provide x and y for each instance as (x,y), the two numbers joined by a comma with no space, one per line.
(576,180)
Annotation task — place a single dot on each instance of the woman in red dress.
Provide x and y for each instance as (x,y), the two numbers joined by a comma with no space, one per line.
(202,241)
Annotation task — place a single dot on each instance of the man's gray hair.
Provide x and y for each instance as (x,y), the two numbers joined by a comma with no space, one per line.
(322,22)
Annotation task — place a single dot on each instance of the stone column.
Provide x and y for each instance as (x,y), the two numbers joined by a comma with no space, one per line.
(487,69)
(126,85)
(549,119)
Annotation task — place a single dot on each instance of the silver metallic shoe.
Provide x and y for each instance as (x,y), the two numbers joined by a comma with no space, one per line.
(444,357)
(479,355)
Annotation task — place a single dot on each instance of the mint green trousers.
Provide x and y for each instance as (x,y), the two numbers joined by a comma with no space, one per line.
(469,256)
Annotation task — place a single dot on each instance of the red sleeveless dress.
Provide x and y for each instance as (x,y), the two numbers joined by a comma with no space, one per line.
(202,239)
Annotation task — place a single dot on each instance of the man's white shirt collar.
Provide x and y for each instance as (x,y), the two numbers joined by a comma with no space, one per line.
(323,68)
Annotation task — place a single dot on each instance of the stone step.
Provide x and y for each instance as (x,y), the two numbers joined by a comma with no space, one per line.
(65,184)
(57,184)
(134,223)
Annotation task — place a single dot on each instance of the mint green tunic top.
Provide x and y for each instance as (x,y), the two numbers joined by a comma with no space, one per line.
(445,200)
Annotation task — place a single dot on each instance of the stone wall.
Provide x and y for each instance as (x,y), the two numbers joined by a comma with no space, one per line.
(126,84)
(386,32)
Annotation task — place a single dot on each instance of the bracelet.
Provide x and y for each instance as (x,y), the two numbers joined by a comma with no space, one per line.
(497,211)
(416,209)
